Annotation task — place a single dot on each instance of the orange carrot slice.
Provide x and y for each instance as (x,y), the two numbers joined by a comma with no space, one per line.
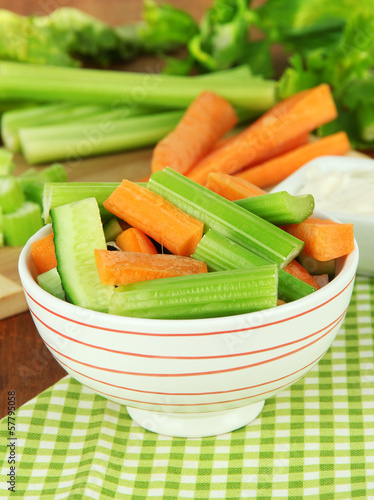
(324,239)
(156,217)
(232,188)
(134,240)
(265,138)
(43,254)
(278,168)
(205,121)
(297,270)
(121,268)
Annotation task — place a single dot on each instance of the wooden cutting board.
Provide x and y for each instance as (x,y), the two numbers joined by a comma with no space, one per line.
(133,165)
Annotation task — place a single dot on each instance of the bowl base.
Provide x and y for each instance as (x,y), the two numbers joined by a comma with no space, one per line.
(195,425)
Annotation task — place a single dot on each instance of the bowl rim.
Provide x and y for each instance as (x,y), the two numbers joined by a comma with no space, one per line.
(223,324)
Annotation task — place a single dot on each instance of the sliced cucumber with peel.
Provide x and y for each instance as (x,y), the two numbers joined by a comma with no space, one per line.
(77,233)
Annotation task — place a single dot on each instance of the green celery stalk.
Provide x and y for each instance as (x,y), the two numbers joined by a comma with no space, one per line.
(220,254)
(27,81)
(32,181)
(280,208)
(54,173)
(6,162)
(45,114)
(11,195)
(50,281)
(200,295)
(75,141)
(20,225)
(56,194)
(227,218)
(17,69)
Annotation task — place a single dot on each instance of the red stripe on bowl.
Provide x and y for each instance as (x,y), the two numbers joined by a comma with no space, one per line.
(163,404)
(211,393)
(187,334)
(115,351)
(214,372)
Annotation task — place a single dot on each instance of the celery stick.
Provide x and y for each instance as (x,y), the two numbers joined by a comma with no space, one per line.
(32,181)
(20,225)
(220,253)
(227,218)
(11,195)
(13,120)
(223,293)
(1,227)
(6,162)
(28,81)
(31,185)
(103,117)
(50,281)
(56,194)
(17,69)
(54,173)
(280,208)
(112,229)
(75,141)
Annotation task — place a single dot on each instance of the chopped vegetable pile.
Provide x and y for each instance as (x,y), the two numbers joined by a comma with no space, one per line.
(179,248)
(182,251)
(21,199)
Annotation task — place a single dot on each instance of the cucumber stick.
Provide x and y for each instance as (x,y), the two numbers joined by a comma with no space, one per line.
(225,217)
(50,281)
(77,233)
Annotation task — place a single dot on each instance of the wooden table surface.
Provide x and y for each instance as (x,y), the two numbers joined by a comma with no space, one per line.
(26,366)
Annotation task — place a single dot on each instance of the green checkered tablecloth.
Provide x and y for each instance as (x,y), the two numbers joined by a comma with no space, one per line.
(314,440)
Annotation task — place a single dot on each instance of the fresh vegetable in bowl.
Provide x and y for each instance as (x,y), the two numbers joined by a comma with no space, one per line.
(224,259)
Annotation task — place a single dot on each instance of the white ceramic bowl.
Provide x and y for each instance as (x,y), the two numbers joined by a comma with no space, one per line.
(190,378)
(363,226)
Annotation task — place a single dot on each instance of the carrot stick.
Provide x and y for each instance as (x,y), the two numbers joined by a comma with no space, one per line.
(121,268)
(134,240)
(265,138)
(232,188)
(156,217)
(223,142)
(297,270)
(278,168)
(324,239)
(285,147)
(43,254)
(205,121)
